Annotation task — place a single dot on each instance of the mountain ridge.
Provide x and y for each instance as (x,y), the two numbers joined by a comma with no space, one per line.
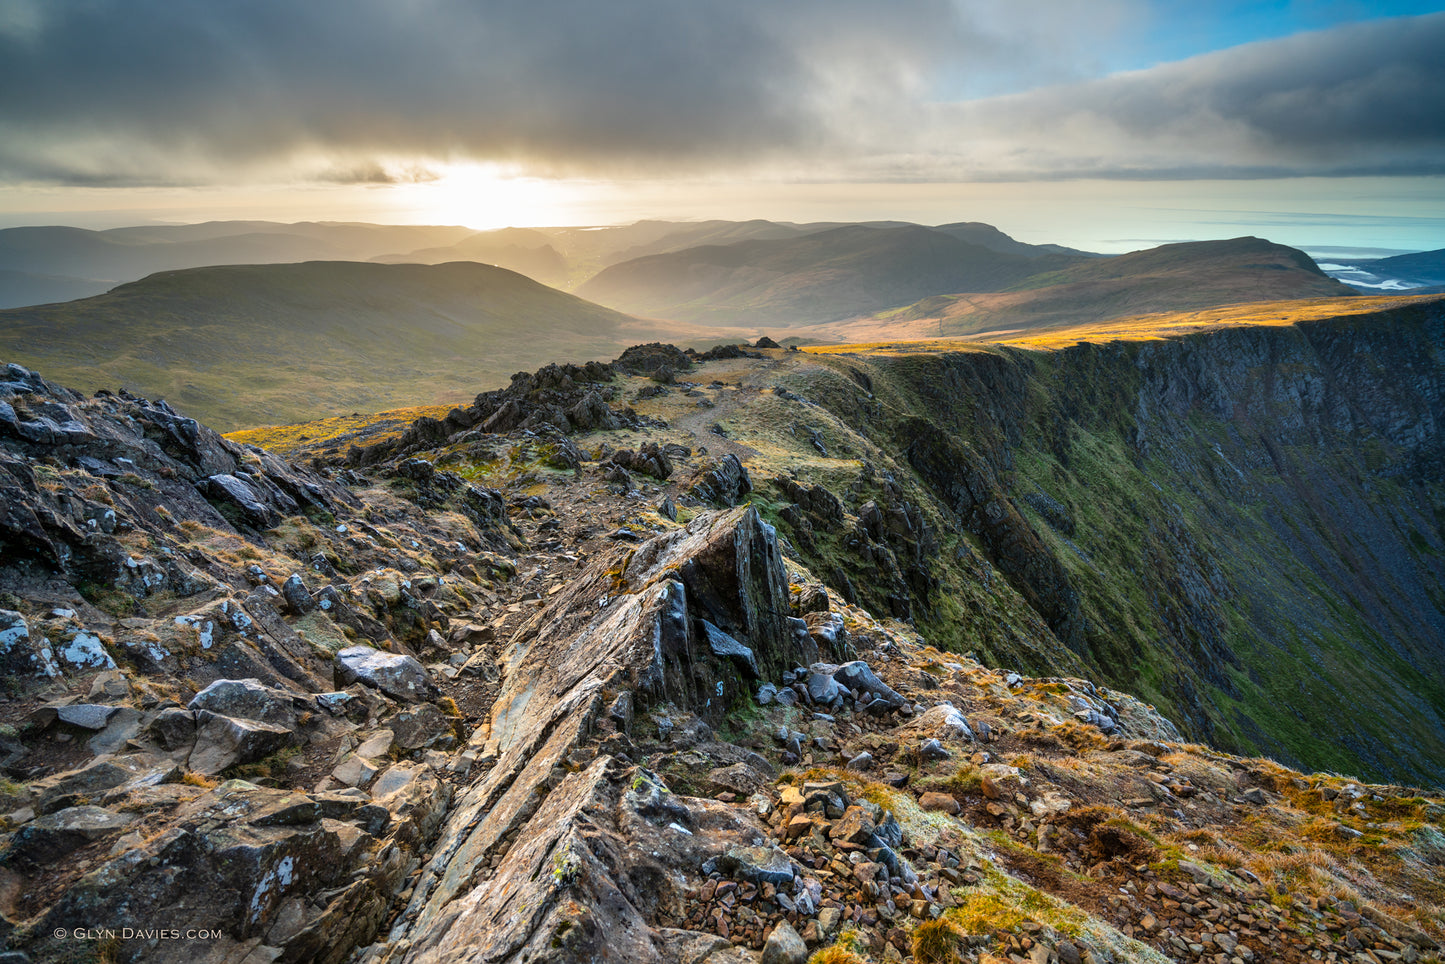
(822,277)
(589,670)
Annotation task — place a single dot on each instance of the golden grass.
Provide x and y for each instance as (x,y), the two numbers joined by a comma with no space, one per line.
(285,439)
(1147,327)
(938,942)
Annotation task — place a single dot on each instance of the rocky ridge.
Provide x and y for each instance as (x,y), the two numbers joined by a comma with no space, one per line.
(499,692)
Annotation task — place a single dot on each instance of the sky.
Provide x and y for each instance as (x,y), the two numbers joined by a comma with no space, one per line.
(1110,125)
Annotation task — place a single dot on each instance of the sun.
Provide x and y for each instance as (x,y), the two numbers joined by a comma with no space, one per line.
(488,196)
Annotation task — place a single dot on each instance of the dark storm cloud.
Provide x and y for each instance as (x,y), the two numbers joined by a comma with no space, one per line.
(131,92)
(1362,99)
(95,88)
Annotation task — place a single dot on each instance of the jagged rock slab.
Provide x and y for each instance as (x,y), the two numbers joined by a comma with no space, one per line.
(633,622)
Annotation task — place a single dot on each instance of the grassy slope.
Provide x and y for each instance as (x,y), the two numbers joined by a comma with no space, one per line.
(251,345)
(820,277)
(1172,278)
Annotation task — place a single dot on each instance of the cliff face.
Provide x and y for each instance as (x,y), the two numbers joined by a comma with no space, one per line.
(1244,525)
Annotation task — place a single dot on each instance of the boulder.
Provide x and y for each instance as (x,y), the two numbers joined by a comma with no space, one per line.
(400,677)
(90,780)
(246,699)
(173,728)
(761,865)
(420,727)
(51,837)
(298,597)
(822,687)
(722,481)
(19,656)
(88,716)
(224,741)
(591,413)
(231,491)
(784,946)
(943,723)
(858,677)
(939,801)
(856,826)
(1001,781)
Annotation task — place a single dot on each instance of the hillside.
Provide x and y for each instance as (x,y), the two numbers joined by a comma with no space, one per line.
(886,655)
(523,251)
(1424,267)
(988,236)
(103,259)
(247,345)
(827,276)
(25,288)
(1404,272)
(1172,278)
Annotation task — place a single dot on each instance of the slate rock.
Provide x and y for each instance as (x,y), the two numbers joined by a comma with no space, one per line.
(858,676)
(246,699)
(822,687)
(761,865)
(298,597)
(89,716)
(421,726)
(223,741)
(784,946)
(934,750)
(1095,718)
(231,490)
(89,780)
(48,838)
(18,654)
(400,677)
(724,645)
(856,826)
(889,830)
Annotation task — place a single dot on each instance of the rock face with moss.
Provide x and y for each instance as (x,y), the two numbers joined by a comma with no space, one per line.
(1244,525)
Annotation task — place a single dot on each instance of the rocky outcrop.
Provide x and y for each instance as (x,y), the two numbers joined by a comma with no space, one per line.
(524,840)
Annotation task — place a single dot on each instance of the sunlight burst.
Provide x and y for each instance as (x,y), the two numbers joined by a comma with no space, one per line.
(487,196)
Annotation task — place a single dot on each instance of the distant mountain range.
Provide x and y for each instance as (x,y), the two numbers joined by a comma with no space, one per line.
(256,344)
(826,276)
(412,316)
(58,263)
(39,265)
(1171,278)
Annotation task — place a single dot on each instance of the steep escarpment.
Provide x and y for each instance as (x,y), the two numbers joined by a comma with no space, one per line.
(534,682)
(1244,524)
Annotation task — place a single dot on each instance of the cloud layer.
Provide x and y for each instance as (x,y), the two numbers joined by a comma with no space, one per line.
(1357,100)
(380,91)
